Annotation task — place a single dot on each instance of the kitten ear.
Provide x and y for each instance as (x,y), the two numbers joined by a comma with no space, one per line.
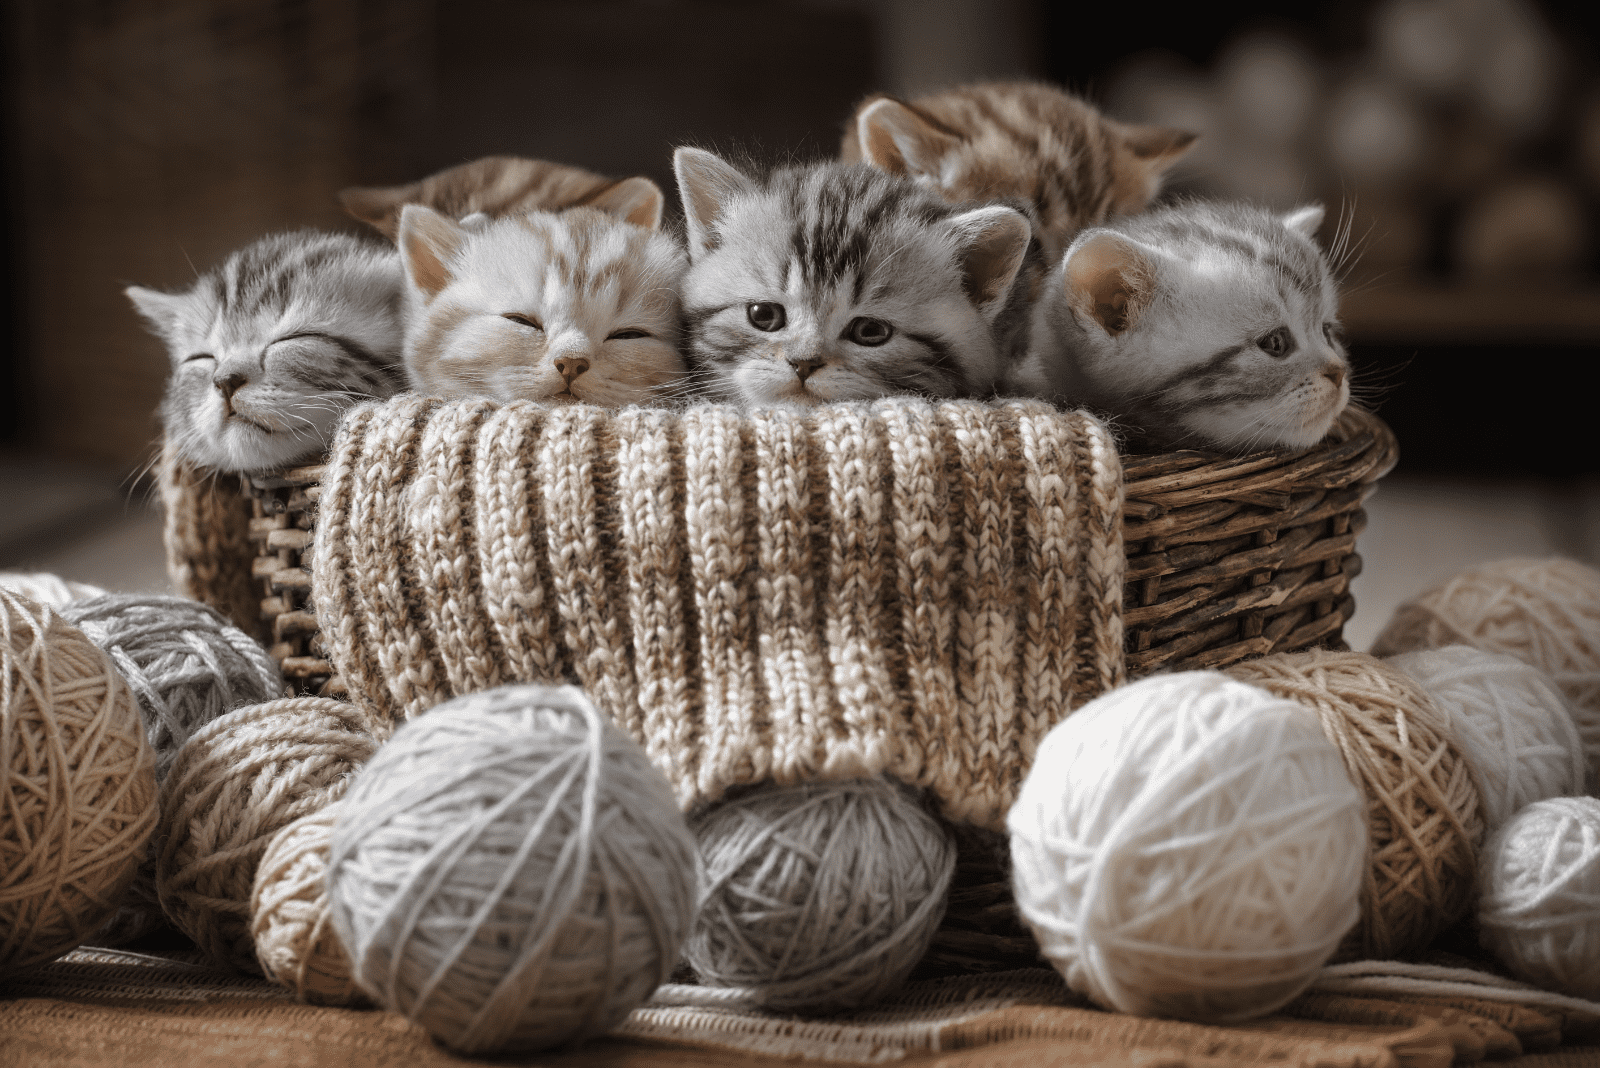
(896,139)
(160,310)
(427,241)
(1305,221)
(993,242)
(379,207)
(635,200)
(705,184)
(1158,146)
(1108,279)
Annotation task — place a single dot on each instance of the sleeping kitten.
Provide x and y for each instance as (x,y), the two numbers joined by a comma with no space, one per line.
(269,349)
(833,282)
(1196,326)
(981,143)
(497,186)
(560,308)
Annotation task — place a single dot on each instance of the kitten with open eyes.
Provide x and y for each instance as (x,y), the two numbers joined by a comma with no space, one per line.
(832,282)
(986,142)
(1196,326)
(497,186)
(271,347)
(559,308)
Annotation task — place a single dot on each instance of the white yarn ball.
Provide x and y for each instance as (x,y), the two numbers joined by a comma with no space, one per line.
(1539,886)
(1190,846)
(511,872)
(45,588)
(1512,723)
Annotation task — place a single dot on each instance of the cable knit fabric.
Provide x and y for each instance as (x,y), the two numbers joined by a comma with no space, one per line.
(903,587)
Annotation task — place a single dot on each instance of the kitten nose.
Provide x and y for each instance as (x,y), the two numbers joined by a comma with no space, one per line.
(804,369)
(229,385)
(570,367)
(1334,373)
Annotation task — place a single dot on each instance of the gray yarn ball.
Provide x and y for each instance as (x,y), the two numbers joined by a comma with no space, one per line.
(187,666)
(820,897)
(511,872)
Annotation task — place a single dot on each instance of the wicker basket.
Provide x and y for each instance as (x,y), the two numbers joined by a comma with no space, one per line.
(1227,558)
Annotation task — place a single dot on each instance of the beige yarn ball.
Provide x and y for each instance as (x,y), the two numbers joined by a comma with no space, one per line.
(236,783)
(77,785)
(1423,819)
(1514,727)
(289,919)
(1544,612)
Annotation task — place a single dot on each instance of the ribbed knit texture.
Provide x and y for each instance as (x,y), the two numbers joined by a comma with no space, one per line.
(899,587)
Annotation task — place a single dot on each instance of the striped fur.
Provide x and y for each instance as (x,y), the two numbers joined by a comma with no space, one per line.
(987,142)
(531,307)
(850,256)
(1196,326)
(269,349)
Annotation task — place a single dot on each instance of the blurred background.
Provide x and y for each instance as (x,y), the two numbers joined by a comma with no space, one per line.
(1456,142)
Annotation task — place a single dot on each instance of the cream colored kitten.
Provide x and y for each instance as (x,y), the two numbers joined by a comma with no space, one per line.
(561,308)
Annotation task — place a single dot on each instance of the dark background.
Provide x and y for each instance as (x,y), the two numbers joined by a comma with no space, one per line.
(144,139)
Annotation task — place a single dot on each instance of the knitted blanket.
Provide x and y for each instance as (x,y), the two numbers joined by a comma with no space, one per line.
(899,587)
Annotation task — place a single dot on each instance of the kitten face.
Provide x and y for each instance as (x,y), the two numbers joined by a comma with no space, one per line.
(580,306)
(1031,141)
(1198,326)
(833,283)
(272,347)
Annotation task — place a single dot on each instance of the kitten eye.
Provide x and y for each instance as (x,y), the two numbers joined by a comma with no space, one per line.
(766,315)
(870,332)
(626,335)
(523,319)
(1277,344)
(200,356)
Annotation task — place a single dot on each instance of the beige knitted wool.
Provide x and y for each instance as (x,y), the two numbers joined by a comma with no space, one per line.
(207,534)
(912,588)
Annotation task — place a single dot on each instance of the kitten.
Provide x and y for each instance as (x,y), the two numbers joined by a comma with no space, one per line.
(495,186)
(560,308)
(1196,326)
(833,282)
(269,349)
(980,143)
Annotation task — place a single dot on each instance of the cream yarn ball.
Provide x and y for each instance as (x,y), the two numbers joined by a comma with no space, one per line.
(1511,723)
(77,785)
(511,872)
(1539,886)
(1188,846)
(1544,612)
(289,917)
(41,587)
(819,896)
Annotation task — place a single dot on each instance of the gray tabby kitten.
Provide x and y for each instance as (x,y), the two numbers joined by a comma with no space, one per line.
(272,347)
(1195,326)
(838,282)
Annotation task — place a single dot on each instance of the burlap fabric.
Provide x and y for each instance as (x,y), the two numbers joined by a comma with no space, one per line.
(206,530)
(902,587)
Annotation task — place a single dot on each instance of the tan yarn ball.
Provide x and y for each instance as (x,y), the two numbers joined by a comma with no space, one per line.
(296,944)
(77,785)
(1544,612)
(1423,821)
(234,785)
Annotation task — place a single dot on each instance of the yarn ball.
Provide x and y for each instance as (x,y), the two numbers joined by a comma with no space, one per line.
(41,587)
(1543,612)
(289,918)
(240,780)
(1422,812)
(1188,846)
(77,785)
(511,872)
(819,896)
(1512,724)
(1539,881)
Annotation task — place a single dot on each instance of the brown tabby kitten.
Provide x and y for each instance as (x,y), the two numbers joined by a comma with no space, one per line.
(496,186)
(1026,140)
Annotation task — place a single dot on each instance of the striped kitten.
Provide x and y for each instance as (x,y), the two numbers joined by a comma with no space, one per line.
(560,308)
(986,142)
(1196,326)
(835,283)
(498,186)
(269,349)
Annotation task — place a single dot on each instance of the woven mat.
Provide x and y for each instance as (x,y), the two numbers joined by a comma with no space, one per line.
(106,1007)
